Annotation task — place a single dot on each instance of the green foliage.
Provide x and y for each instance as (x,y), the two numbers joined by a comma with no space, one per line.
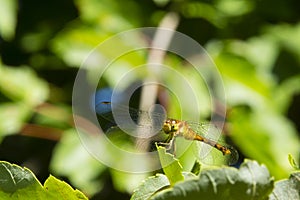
(67,161)
(287,189)
(20,183)
(25,91)
(293,163)
(170,165)
(251,181)
(23,85)
(259,102)
(150,186)
(8,18)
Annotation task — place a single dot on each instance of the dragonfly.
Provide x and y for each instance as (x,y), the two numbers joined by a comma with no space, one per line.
(174,128)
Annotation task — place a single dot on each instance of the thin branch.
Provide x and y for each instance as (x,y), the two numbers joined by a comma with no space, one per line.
(162,40)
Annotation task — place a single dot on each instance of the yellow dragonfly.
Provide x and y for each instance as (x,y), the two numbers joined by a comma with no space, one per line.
(173,128)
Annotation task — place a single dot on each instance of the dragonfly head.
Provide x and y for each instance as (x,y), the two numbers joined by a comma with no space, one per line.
(170,126)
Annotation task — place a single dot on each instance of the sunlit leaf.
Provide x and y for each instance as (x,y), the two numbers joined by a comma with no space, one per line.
(20,183)
(14,178)
(260,133)
(293,162)
(170,165)
(251,181)
(100,20)
(22,84)
(235,7)
(72,160)
(58,189)
(287,189)
(287,35)
(161,2)
(114,17)
(204,10)
(285,93)
(12,118)
(127,182)
(8,18)
(237,69)
(150,186)
(154,184)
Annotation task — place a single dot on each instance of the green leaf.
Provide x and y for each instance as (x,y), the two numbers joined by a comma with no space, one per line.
(114,17)
(25,90)
(235,7)
(287,189)
(72,160)
(22,84)
(293,162)
(78,39)
(154,184)
(150,186)
(20,183)
(238,72)
(287,35)
(170,165)
(204,10)
(258,134)
(14,178)
(251,181)
(161,2)
(8,18)
(285,93)
(125,181)
(196,168)
(12,118)
(61,190)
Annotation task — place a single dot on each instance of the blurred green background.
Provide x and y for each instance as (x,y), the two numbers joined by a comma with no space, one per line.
(254,43)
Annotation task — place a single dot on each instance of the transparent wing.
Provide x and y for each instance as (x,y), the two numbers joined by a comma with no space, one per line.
(207,130)
(129,119)
(135,114)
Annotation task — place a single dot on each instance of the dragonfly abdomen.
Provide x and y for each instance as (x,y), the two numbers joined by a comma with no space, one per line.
(190,134)
(214,144)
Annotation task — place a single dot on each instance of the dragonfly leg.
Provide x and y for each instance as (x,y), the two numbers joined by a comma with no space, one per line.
(170,146)
(168,143)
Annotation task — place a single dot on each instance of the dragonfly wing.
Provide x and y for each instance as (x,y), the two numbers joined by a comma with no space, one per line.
(207,130)
(128,119)
(125,114)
